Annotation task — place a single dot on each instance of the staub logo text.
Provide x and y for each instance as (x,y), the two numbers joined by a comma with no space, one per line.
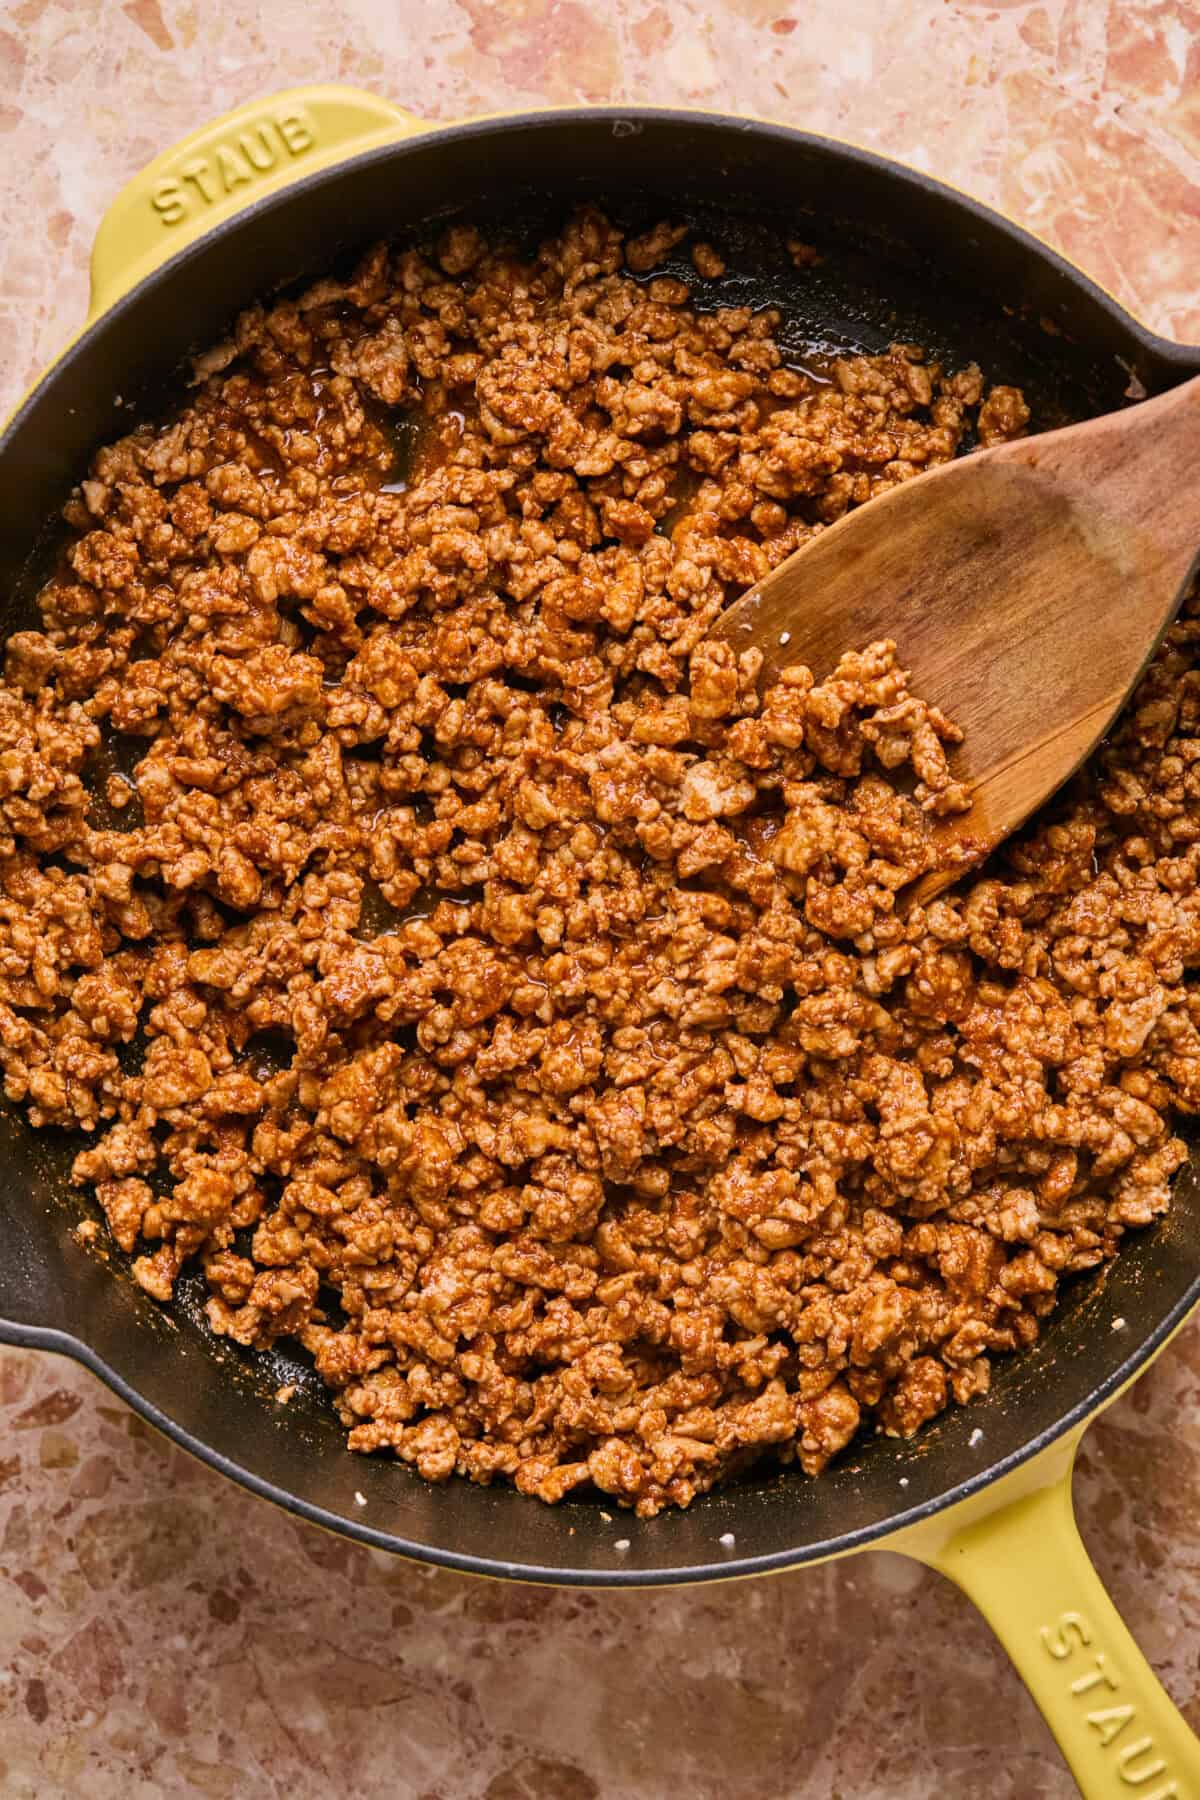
(1098,1688)
(231,163)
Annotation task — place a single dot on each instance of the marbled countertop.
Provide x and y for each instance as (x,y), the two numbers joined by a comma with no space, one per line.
(164,1634)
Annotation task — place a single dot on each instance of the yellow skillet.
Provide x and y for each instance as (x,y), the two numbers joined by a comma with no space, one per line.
(1013,1548)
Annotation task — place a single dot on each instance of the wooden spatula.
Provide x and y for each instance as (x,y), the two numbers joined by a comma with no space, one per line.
(1025,587)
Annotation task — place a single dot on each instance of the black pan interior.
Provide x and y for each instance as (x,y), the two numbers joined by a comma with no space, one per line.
(903,259)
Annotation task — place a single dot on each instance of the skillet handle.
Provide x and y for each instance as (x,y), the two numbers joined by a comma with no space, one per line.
(1025,1567)
(228,165)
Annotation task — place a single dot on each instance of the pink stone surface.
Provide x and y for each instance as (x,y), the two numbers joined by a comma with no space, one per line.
(164,1634)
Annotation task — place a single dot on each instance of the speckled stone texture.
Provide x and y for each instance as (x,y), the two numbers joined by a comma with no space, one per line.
(162,1633)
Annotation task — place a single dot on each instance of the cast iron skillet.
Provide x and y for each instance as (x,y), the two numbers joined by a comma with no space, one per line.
(905,258)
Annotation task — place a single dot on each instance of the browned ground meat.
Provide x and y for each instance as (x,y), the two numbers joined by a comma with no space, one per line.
(493,957)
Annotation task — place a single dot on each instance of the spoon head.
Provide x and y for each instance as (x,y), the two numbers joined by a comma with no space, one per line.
(1022,607)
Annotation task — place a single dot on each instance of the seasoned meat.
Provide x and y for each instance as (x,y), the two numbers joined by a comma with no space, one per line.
(472,944)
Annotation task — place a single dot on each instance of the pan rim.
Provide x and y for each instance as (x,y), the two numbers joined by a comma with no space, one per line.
(1183,356)
(866,1537)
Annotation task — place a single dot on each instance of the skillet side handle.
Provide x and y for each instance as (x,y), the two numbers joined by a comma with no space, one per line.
(228,165)
(1025,1567)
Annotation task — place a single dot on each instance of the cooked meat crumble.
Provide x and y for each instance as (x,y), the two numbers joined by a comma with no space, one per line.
(480,977)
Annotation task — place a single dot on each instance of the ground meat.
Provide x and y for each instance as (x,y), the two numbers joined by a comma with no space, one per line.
(488,985)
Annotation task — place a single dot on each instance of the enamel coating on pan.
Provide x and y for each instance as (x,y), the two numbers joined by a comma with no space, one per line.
(272,192)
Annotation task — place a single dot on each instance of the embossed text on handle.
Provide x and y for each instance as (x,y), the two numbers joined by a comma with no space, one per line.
(231,162)
(1098,1687)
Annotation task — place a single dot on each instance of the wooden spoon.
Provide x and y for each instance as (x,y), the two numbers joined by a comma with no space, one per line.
(1025,587)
